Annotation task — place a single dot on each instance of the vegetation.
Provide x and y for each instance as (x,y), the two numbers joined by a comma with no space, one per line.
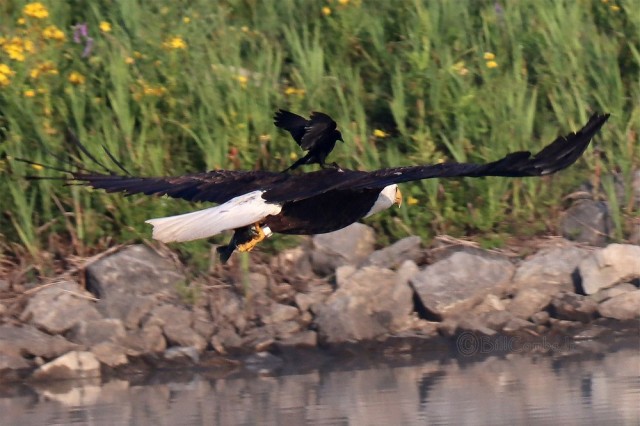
(181,86)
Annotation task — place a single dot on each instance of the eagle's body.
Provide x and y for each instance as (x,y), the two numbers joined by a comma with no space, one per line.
(317,135)
(311,203)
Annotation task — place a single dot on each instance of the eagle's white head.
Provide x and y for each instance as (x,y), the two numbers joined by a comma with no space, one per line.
(389,196)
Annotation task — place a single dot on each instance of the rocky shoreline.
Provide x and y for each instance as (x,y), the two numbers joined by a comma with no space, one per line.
(139,309)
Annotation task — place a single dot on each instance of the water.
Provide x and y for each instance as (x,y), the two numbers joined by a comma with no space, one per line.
(405,390)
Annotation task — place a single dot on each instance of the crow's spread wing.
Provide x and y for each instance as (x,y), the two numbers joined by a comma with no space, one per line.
(319,125)
(293,123)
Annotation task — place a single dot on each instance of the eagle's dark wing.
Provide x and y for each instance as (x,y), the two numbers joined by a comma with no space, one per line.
(319,125)
(556,156)
(293,123)
(216,186)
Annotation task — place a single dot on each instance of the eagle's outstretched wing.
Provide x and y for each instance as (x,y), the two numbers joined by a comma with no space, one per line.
(558,155)
(220,186)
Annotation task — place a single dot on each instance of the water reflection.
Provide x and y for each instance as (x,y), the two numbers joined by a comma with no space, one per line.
(512,389)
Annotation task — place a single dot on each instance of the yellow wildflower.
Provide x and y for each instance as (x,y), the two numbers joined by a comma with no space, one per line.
(16,47)
(412,201)
(4,80)
(380,133)
(243,80)
(105,27)
(35,10)
(174,43)
(488,56)
(186,19)
(459,68)
(605,1)
(76,78)
(28,46)
(244,29)
(326,11)
(5,69)
(264,138)
(30,93)
(129,60)
(492,64)
(294,91)
(137,55)
(293,156)
(154,91)
(21,21)
(343,2)
(53,33)
(37,167)
(615,8)
(46,67)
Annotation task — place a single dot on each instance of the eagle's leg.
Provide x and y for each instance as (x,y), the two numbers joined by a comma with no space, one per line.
(259,234)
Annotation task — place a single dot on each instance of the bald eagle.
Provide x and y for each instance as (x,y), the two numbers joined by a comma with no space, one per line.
(256,204)
(317,136)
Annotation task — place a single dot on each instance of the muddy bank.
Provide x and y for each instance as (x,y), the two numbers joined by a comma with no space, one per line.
(138,309)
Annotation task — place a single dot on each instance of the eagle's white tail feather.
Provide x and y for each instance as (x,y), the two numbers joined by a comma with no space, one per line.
(235,213)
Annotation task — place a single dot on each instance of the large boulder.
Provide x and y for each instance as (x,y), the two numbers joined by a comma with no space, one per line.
(551,266)
(73,365)
(624,306)
(394,255)
(370,302)
(350,245)
(587,221)
(135,270)
(609,266)
(59,307)
(29,341)
(176,324)
(461,281)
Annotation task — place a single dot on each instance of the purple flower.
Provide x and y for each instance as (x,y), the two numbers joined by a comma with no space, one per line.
(80,31)
(80,34)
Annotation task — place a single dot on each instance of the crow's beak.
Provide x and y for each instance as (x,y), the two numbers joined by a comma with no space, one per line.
(398,199)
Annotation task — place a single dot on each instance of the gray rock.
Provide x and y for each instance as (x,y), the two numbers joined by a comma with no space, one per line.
(129,308)
(308,338)
(394,255)
(350,245)
(29,341)
(587,221)
(293,262)
(50,309)
(303,301)
(550,266)
(574,307)
(624,306)
(607,293)
(226,307)
(176,325)
(226,339)
(284,330)
(516,324)
(460,281)
(111,354)
(203,323)
(609,266)
(280,313)
(407,270)
(92,332)
(528,301)
(540,318)
(496,320)
(343,273)
(136,270)
(183,352)
(73,365)
(148,339)
(11,362)
(370,304)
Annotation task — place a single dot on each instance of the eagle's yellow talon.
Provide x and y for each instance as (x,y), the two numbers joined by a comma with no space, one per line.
(249,245)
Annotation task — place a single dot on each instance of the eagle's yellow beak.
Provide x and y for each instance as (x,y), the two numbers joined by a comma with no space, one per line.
(398,199)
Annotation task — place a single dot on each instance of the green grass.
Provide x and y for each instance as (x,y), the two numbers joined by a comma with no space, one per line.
(416,70)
